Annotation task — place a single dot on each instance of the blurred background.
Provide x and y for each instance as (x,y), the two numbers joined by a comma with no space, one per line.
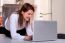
(46,10)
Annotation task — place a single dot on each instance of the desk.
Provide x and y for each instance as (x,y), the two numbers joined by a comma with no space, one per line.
(7,40)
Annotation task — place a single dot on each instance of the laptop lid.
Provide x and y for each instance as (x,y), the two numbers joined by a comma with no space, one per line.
(44,30)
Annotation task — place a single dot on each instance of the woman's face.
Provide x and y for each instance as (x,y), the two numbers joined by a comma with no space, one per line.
(27,15)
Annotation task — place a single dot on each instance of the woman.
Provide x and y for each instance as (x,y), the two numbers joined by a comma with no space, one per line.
(18,25)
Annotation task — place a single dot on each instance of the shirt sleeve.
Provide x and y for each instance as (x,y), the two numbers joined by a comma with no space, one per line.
(29,30)
(13,27)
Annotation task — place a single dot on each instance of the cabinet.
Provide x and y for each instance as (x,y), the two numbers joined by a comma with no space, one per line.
(8,9)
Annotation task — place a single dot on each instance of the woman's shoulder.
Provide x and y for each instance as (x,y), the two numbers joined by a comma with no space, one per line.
(14,14)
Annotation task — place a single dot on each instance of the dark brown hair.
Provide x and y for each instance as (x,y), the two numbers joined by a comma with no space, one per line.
(24,8)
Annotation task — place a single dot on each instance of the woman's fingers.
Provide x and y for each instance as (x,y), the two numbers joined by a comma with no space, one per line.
(27,38)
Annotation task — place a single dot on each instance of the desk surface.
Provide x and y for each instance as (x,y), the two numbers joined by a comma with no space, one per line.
(7,40)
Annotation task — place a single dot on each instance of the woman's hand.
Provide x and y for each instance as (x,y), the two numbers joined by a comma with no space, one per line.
(28,38)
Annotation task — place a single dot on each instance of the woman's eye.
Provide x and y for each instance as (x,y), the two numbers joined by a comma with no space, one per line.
(29,14)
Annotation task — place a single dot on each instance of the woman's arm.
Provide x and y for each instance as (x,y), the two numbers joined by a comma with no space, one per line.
(13,27)
(29,30)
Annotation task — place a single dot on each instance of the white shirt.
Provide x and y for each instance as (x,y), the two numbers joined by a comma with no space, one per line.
(12,25)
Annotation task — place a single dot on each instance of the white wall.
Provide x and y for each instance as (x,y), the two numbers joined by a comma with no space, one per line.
(1,3)
(0,9)
(9,1)
(58,10)
(29,1)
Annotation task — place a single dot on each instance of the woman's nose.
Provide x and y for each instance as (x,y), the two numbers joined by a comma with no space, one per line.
(30,15)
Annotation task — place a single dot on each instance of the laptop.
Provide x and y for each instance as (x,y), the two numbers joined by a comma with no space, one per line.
(44,30)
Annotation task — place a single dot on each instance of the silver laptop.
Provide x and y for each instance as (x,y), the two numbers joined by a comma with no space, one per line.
(44,30)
